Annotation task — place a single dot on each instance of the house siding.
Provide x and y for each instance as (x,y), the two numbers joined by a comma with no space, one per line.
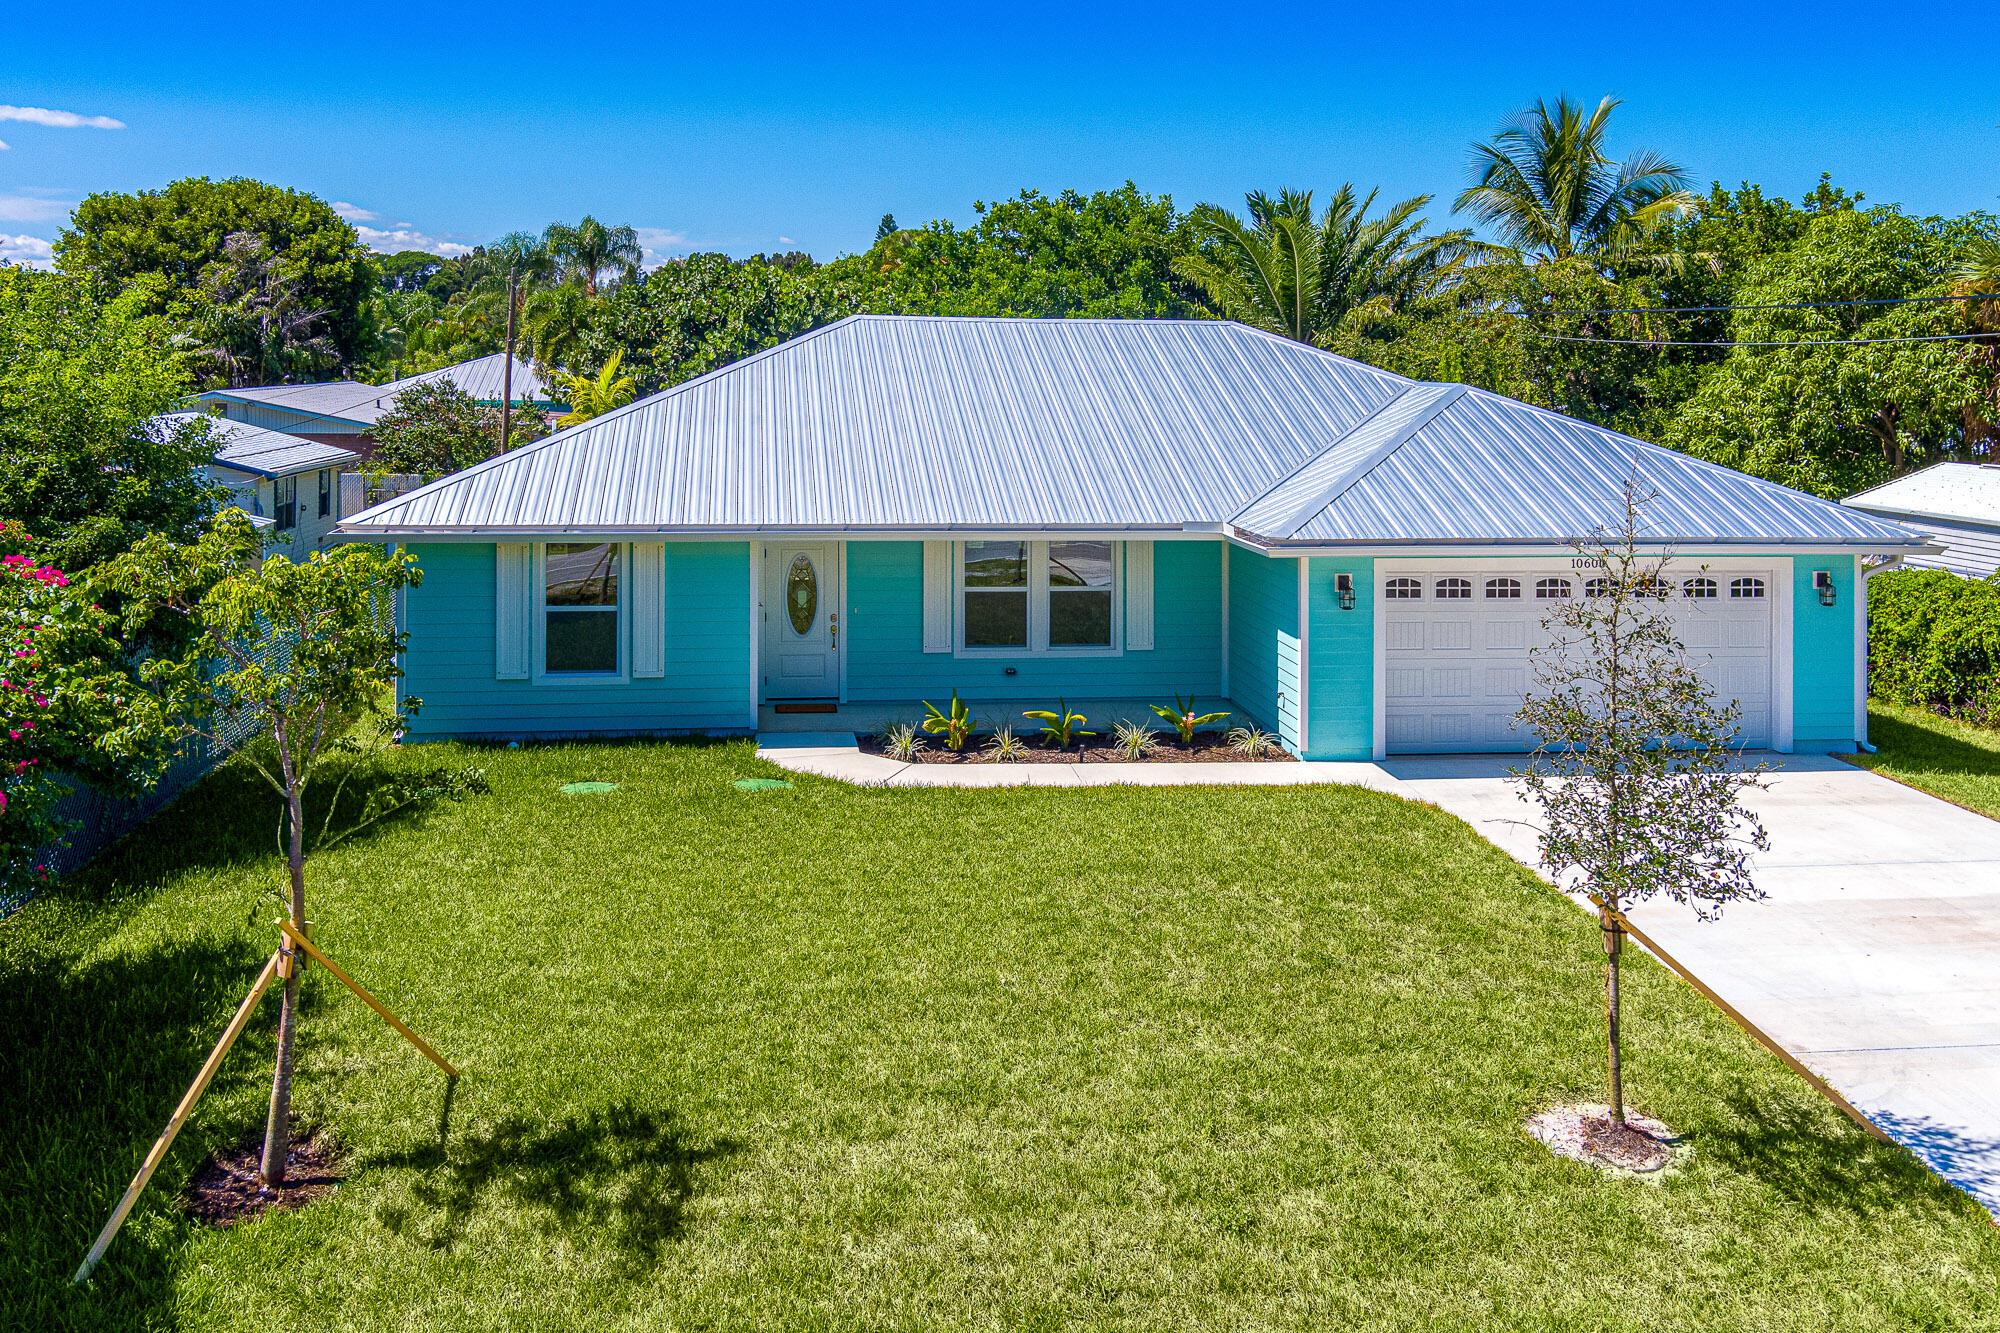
(1264,641)
(1823,651)
(450,660)
(1340,661)
(291,423)
(886,661)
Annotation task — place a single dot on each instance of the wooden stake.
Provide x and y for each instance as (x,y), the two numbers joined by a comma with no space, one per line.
(1821,1085)
(299,941)
(166,1139)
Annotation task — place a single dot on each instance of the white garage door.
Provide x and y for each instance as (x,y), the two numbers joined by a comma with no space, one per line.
(1457,644)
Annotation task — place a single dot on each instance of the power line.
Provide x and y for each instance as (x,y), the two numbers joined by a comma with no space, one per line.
(1815,342)
(1781,305)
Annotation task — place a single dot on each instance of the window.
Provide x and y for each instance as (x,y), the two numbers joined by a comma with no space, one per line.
(996,594)
(1080,594)
(1504,588)
(1454,590)
(1037,597)
(1403,590)
(1598,587)
(1746,587)
(1548,588)
(325,492)
(1649,585)
(285,502)
(1698,588)
(580,608)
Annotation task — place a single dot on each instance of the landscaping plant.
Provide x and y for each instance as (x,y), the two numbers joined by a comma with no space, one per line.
(1134,740)
(1184,720)
(1061,726)
(902,742)
(1637,773)
(1251,742)
(1005,746)
(955,726)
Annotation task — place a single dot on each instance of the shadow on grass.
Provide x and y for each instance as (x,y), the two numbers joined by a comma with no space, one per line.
(1791,1148)
(1931,749)
(620,1174)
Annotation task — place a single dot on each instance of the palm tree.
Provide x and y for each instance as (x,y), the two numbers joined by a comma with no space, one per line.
(257,326)
(594,396)
(586,250)
(1290,272)
(1548,187)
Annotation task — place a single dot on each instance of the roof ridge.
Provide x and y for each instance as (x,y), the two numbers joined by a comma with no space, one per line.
(1328,494)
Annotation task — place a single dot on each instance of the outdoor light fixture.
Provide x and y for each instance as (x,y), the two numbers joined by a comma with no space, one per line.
(1823,580)
(1344,585)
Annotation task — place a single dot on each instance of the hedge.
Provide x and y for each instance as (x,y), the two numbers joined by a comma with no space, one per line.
(1934,641)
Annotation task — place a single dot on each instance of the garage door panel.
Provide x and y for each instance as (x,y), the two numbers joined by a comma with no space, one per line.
(1507,635)
(1404,635)
(1448,636)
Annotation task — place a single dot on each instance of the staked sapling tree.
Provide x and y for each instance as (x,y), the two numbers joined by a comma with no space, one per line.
(296,653)
(1638,773)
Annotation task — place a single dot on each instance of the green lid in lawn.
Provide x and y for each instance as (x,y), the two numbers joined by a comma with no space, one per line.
(588,788)
(760,784)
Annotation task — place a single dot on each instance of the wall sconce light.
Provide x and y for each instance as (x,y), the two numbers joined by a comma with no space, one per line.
(1344,585)
(1823,580)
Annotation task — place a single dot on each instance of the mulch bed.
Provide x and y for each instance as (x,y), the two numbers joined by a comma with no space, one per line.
(226,1190)
(1208,748)
(1641,1147)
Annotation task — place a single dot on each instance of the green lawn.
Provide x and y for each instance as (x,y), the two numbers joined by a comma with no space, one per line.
(828,1058)
(1950,759)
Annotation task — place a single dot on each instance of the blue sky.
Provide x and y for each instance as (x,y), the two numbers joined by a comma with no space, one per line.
(788,126)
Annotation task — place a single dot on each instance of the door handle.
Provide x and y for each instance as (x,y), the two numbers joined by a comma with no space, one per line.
(833,628)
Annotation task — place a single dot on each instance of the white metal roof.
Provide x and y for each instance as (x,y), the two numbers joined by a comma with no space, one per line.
(351,400)
(903,423)
(1965,492)
(266,453)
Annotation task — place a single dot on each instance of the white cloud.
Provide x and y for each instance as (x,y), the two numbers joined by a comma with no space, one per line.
(354,212)
(33,206)
(32,251)
(3,145)
(786,240)
(59,120)
(660,243)
(403,236)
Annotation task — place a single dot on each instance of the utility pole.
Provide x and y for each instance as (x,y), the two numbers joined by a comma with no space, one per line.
(507,371)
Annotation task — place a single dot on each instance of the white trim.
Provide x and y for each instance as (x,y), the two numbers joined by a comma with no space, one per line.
(1224,599)
(1784,695)
(1380,665)
(1304,702)
(538,592)
(756,563)
(842,608)
(1138,597)
(1860,577)
(1037,594)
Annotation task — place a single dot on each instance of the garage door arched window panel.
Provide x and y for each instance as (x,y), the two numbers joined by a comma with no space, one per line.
(1505,589)
(1552,589)
(1746,587)
(1403,590)
(1651,585)
(1699,588)
(1597,587)
(1454,590)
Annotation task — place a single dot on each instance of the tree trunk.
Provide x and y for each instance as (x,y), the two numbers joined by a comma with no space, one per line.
(1614,937)
(277,1125)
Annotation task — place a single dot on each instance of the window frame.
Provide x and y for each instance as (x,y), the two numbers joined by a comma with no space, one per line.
(1403,588)
(285,513)
(1747,588)
(1503,588)
(326,492)
(1546,582)
(1700,588)
(1038,644)
(1452,588)
(538,574)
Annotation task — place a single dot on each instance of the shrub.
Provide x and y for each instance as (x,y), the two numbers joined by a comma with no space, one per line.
(955,726)
(1062,726)
(1005,746)
(1252,742)
(1185,720)
(1134,740)
(902,742)
(1934,641)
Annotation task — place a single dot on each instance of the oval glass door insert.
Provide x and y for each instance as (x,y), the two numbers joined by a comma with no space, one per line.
(802,594)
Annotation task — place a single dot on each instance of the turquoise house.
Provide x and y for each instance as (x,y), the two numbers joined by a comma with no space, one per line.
(889,508)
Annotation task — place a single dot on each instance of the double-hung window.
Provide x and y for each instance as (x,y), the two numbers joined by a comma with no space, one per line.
(1035,597)
(325,492)
(580,608)
(285,502)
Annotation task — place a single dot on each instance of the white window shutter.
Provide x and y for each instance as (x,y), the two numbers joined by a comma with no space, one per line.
(1139,596)
(649,609)
(937,597)
(512,636)
(353,494)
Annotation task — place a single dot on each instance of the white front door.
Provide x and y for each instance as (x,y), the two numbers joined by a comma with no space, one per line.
(800,655)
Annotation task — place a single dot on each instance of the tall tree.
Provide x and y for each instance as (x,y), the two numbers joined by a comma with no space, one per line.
(434,427)
(257,326)
(1547,184)
(180,232)
(1292,272)
(1637,773)
(587,250)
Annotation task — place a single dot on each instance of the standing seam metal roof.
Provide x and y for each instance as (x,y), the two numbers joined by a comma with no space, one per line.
(267,453)
(350,400)
(932,423)
(1954,492)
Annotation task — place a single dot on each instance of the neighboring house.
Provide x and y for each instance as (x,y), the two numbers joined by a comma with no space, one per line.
(1956,505)
(889,508)
(289,483)
(343,412)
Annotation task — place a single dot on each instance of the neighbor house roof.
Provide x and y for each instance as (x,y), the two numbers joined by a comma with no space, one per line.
(362,404)
(1952,492)
(904,424)
(265,453)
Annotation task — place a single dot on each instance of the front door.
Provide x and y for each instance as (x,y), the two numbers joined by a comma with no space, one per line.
(800,657)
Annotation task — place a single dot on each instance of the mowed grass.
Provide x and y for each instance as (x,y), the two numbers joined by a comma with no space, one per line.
(1955,760)
(828,1058)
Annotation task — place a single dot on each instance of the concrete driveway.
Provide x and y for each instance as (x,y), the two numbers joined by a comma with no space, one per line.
(1875,959)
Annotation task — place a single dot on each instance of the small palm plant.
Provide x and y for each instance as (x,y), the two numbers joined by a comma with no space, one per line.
(1005,747)
(902,742)
(1251,742)
(1062,726)
(1183,719)
(1134,740)
(955,726)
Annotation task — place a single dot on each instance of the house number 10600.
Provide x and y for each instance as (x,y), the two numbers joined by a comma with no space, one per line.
(1586,562)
